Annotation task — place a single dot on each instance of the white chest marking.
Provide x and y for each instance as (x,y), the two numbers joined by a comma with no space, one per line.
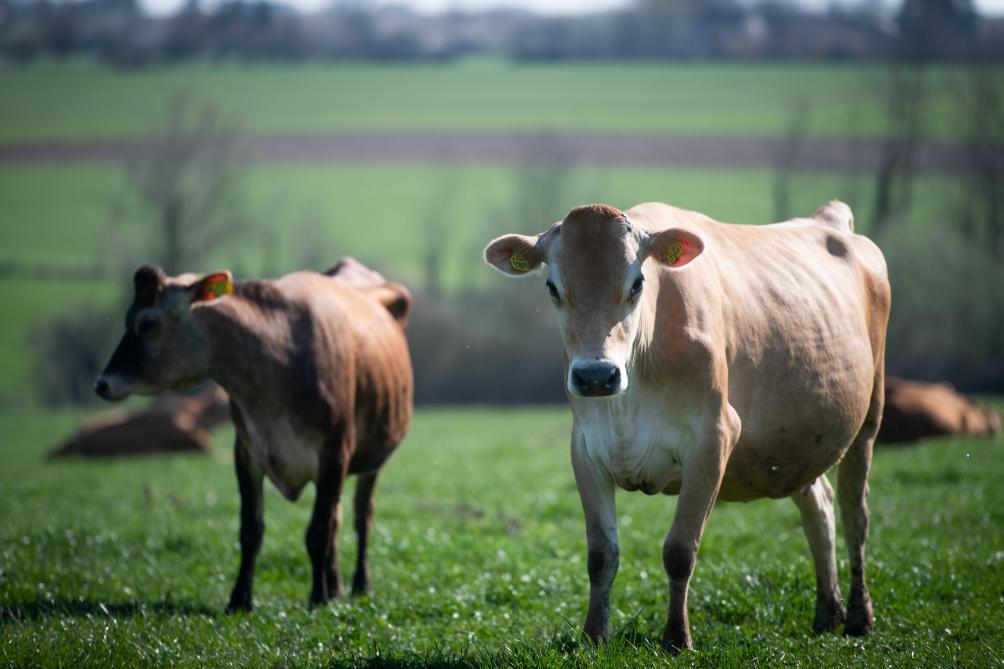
(641,438)
(289,458)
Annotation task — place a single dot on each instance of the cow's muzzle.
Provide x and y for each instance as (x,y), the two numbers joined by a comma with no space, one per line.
(596,378)
(112,388)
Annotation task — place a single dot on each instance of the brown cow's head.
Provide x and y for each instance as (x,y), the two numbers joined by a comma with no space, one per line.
(598,264)
(163,348)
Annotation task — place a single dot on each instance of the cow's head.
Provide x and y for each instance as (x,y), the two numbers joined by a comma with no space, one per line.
(597,267)
(163,348)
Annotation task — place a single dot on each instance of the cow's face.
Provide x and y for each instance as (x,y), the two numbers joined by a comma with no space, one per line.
(597,267)
(163,347)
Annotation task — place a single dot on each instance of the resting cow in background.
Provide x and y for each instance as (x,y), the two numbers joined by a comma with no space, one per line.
(717,361)
(175,424)
(916,410)
(320,384)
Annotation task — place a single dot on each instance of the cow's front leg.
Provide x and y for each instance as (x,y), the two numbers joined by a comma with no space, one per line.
(596,490)
(702,476)
(249,483)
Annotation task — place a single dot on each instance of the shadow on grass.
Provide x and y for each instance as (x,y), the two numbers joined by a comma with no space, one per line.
(561,650)
(39,609)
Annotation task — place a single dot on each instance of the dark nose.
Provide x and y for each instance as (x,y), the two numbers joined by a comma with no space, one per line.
(596,379)
(102,388)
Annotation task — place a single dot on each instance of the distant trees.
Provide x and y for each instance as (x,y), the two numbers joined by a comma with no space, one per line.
(181,192)
(117,32)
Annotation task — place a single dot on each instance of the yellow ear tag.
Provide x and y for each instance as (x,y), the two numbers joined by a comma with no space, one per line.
(674,252)
(216,285)
(519,263)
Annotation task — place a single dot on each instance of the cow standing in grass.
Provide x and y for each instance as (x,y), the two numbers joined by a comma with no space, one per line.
(716,361)
(320,384)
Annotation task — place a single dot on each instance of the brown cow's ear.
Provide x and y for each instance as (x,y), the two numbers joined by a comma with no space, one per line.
(212,287)
(148,281)
(675,247)
(515,255)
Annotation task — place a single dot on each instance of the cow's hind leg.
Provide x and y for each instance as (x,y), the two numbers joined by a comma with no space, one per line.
(363,519)
(815,503)
(322,533)
(852,493)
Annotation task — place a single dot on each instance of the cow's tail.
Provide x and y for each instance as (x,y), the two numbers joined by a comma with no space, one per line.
(835,214)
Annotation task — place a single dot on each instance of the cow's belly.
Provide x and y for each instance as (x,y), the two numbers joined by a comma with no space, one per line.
(643,443)
(288,457)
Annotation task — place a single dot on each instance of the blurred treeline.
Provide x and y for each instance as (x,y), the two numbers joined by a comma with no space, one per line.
(118,32)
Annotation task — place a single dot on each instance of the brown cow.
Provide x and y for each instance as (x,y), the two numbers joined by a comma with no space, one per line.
(916,410)
(716,361)
(320,384)
(173,424)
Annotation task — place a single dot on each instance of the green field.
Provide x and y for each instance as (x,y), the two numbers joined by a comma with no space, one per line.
(309,215)
(478,557)
(67,102)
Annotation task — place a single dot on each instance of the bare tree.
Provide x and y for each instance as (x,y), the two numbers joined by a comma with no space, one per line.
(182,189)
(786,157)
(180,205)
(904,96)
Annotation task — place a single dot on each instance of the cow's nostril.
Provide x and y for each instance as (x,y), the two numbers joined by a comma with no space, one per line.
(102,388)
(596,380)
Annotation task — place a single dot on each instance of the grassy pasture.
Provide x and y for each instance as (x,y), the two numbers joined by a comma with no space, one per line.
(51,101)
(478,558)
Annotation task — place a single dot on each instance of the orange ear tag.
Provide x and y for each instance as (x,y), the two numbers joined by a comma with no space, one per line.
(215,286)
(519,263)
(674,252)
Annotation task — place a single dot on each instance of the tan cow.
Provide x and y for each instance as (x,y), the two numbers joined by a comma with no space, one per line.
(174,424)
(320,384)
(716,361)
(916,410)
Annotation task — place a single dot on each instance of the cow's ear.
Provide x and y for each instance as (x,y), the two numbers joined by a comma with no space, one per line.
(148,282)
(675,247)
(515,255)
(212,287)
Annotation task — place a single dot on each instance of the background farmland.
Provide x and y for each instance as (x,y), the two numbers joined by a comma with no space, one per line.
(479,555)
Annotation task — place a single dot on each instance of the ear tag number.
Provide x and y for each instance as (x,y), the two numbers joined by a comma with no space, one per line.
(218,285)
(519,263)
(674,252)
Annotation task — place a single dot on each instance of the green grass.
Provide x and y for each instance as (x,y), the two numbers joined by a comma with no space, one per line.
(74,101)
(478,557)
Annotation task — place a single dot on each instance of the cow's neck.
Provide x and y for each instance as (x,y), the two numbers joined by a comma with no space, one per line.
(249,348)
(644,352)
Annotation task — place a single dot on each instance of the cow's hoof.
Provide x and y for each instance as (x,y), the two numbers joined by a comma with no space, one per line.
(595,636)
(828,618)
(676,641)
(860,620)
(239,604)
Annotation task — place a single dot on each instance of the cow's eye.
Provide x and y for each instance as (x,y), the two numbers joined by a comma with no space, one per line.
(147,326)
(636,287)
(553,291)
